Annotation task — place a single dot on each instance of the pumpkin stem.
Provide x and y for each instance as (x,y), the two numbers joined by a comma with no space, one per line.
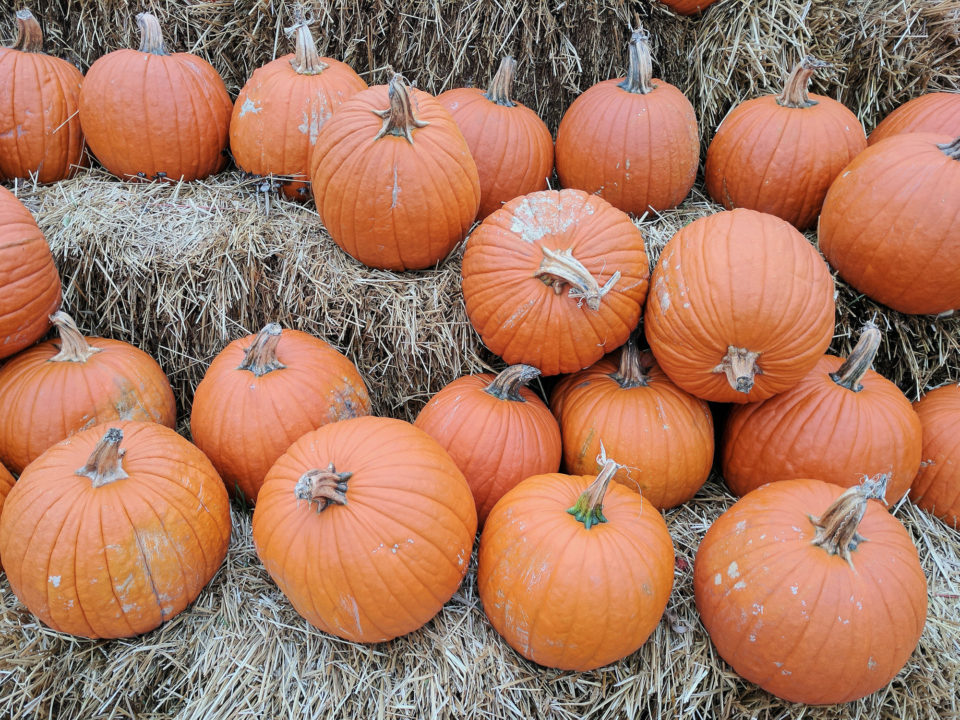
(837,527)
(639,77)
(631,373)
(560,266)
(951,149)
(740,367)
(861,357)
(323,487)
(261,356)
(506,385)
(306,60)
(589,506)
(501,87)
(151,36)
(106,461)
(794,93)
(73,345)
(29,34)
(398,119)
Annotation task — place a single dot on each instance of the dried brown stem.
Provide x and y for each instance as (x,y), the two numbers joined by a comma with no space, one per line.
(506,385)
(501,87)
(740,367)
(560,267)
(324,487)
(794,93)
(589,506)
(261,356)
(860,359)
(151,36)
(639,77)
(106,461)
(399,119)
(29,34)
(837,527)
(73,345)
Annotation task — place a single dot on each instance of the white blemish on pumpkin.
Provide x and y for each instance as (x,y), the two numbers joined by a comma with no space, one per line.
(741,526)
(54,580)
(312,123)
(663,295)
(757,609)
(871,663)
(396,189)
(733,571)
(519,313)
(786,672)
(661,415)
(753,638)
(739,585)
(394,549)
(794,589)
(777,664)
(248,107)
(539,216)
(718,579)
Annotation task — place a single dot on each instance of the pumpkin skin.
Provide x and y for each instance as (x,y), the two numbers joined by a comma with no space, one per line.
(57,388)
(6,482)
(936,487)
(378,556)
(779,154)
(179,97)
(512,146)
(937,112)
(497,431)
(517,267)
(393,178)
(29,283)
(741,307)
(119,558)
(264,391)
(688,7)
(571,593)
(800,622)
(39,128)
(633,141)
(891,218)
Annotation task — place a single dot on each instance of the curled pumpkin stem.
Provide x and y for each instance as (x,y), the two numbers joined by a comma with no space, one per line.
(639,77)
(261,356)
(324,487)
(29,34)
(837,527)
(306,60)
(795,89)
(589,506)
(399,119)
(740,367)
(501,87)
(506,385)
(951,149)
(631,373)
(73,345)
(861,358)
(560,267)
(106,461)
(151,36)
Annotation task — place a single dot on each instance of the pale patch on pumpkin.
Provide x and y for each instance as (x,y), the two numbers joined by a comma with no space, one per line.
(536,217)
(794,589)
(739,585)
(313,122)
(249,106)
(733,571)
(718,579)
(519,314)
(395,190)
(54,580)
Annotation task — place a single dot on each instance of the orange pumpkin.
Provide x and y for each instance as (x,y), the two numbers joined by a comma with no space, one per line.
(937,112)
(936,487)
(6,483)
(555,280)
(366,525)
(123,543)
(688,7)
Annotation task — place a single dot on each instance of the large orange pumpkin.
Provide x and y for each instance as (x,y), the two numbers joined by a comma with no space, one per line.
(936,487)
(151,115)
(264,391)
(39,128)
(555,280)
(633,141)
(890,224)
(779,153)
(366,525)
(497,431)
(937,112)
(393,178)
(811,591)
(123,543)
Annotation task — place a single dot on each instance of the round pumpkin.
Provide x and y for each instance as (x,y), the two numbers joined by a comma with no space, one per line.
(123,543)
(393,178)
(688,7)
(512,146)
(890,224)
(6,483)
(936,112)
(555,279)
(39,128)
(29,283)
(280,112)
(148,114)
(811,591)
(633,141)
(936,487)
(497,431)
(366,526)
(574,571)
(779,153)
(264,391)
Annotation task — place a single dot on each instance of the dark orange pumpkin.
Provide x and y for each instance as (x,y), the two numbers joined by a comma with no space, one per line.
(937,112)
(936,487)
(688,7)
(6,482)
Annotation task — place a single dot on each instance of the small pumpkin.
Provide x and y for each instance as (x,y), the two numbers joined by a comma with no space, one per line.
(811,591)
(936,112)
(497,431)
(512,146)
(123,543)
(261,393)
(555,279)
(574,571)
(366,526)
(936,487)
(6,483)
(688,7)
(39,128)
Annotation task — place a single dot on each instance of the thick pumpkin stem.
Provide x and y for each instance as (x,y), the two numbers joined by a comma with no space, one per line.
(151,36)
(106,461)
(560,267)
(73,345)
(589,506)
(740,367)
(631,374)
(794,93)
(506,385)
(399,119)
(29,34)
(306,60)
(639,77)
(861,358)
(951,149)
(324,487)
(501,87)
(837,527)
(261,356)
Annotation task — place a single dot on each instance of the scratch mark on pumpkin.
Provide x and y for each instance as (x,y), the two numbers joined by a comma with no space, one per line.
(519,313)
(396,188)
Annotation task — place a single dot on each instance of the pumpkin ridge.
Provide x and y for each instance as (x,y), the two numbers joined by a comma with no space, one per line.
(148,571)
(109,574)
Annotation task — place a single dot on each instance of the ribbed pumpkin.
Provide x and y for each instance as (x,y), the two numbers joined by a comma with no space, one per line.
(555,280)
(29,283)
(811,591)
(366,525)
(937,112)
(574,571)
(512,146)
(688,7)
(890,224)
(779,153)
(842,422)
(281,110)
(39,128)
(393,178)
(151,115)
(6,483)
(936,487)
(264,391)
(627,407)
(633,141)
(741,307)
(123,543)
(497,431)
